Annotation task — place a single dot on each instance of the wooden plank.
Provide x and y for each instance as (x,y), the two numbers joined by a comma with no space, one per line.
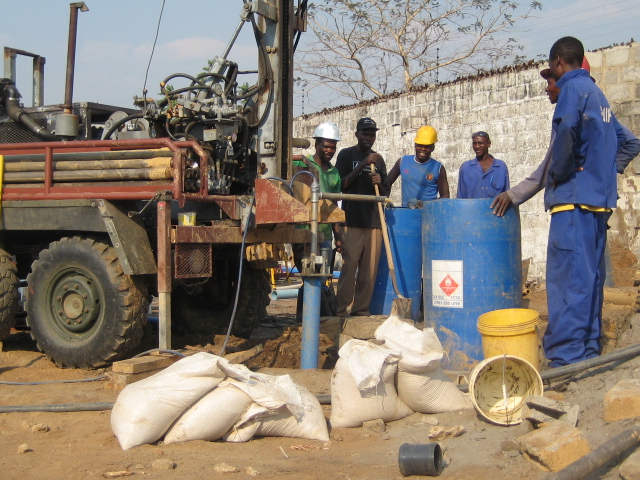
(144,364)
(241,357)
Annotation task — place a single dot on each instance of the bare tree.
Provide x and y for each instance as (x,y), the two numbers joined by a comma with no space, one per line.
(368,48)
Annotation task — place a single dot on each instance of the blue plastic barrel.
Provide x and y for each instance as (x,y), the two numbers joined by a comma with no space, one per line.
(405,238)
(472,265)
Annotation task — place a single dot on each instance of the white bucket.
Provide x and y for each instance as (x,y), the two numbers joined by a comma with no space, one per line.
(499,385)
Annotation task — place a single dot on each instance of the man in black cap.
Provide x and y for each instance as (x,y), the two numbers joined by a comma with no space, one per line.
(361,235)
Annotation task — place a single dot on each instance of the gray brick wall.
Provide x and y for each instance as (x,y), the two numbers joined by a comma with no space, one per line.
(513,108)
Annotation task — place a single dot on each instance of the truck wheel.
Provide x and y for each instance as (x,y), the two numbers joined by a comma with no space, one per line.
(206,309)
(9,295)
(252,302)
(84,312)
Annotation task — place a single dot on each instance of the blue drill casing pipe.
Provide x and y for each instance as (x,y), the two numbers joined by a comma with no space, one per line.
(311,321)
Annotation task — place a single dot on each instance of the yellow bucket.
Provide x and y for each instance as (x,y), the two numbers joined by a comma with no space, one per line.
(511,331)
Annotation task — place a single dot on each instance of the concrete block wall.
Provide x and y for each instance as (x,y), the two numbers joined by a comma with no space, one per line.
(513,108)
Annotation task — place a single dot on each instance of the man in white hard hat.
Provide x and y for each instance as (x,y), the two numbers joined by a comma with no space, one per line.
(327,137)
(423,177)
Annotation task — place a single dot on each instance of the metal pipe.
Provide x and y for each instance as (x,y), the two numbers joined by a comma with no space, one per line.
(71,52)
(353,197)
(91,175)
(315,198)
(598,457)
(624,354)
(277,294)
(311,322)
(95,156)
(164,271)
(161,162)
(60,407)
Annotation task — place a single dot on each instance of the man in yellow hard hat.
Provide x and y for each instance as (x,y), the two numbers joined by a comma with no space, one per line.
(423,177)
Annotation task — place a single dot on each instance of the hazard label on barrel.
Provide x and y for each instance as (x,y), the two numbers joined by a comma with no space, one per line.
(447,283)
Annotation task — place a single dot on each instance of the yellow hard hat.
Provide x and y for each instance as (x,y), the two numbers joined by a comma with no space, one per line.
(426,135)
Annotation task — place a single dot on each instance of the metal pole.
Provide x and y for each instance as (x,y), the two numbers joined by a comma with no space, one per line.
(311,322)
(164,272)
(312,291)
(71,52)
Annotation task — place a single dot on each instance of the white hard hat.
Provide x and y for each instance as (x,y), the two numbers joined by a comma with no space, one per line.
(328,130)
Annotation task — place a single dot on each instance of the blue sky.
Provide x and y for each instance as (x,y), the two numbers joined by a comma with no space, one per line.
(115,39)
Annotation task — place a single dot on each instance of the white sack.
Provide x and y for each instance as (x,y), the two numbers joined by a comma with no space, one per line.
(146,409)
(431,391)
(421,383)
(421,350)
(351,405)
(212,416)
(281,408)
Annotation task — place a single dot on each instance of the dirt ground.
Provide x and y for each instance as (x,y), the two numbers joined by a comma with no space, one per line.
(80,445)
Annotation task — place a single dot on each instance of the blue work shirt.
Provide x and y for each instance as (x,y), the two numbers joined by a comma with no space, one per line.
(474,183)
(583,159)
(419,180)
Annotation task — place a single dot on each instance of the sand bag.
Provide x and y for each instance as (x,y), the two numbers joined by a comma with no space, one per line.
(362,386)
(145,410)
(281,408)
(421,383)
(212,416)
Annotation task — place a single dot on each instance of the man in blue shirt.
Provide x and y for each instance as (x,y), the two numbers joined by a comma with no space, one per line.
(483,176)
(580,192)
(423,177)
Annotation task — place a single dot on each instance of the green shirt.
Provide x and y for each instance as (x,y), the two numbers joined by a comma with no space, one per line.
(329,183)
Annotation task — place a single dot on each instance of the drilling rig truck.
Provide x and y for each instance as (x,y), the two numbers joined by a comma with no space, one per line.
(98,202)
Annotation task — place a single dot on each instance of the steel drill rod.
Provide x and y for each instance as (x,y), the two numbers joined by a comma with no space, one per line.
(102,155)
(355,198)
(92,175)
(600,456)
(90,165)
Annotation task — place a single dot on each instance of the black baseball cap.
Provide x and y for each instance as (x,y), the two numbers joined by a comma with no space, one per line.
(366,123)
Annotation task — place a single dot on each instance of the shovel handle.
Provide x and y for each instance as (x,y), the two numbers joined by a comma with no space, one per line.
(385,237)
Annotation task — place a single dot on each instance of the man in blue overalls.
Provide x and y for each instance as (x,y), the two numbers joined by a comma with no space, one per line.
(581,191)
(423,177)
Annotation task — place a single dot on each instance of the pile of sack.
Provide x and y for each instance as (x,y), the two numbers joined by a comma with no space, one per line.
(204,397)
(392,380)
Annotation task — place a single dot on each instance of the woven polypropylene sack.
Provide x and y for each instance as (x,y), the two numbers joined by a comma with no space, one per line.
(311,425)
(212,416)
(350,407)
(431,391)
(145,410)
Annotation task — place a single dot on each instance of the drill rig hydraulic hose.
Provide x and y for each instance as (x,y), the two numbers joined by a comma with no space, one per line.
(18,115)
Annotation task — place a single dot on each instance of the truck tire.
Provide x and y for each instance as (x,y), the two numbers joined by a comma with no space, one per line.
(206,310)
(252,302)
(84,312)
(9,294)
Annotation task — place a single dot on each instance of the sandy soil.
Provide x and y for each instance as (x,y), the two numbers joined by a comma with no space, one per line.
(80,445)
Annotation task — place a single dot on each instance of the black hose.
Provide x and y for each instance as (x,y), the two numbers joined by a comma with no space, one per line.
(60,407)
(624,354)
(235,303)
(81,380)
(18,115)
(598,457)
(116,125)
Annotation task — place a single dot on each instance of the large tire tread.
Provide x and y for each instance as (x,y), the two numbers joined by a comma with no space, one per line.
(9,295)
(132,306)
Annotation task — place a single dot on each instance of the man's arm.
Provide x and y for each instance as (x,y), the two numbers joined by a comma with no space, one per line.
(527,188)
(462,189)
(630,146)
(443,183)
(394,173)
(348,180)
(566,120)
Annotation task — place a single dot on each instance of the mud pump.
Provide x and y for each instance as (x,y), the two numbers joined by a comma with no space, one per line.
(92,195)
